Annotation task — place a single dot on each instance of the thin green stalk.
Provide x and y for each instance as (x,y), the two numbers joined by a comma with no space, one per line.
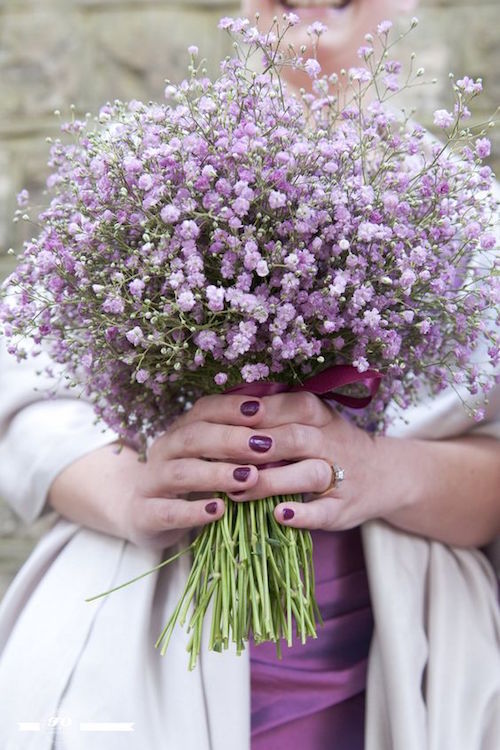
(192,546)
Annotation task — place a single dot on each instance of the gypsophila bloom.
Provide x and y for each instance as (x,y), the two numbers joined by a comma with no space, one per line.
(23,198)
(483,148)
(231,235)
(443,119)
(312,68)
(316,29)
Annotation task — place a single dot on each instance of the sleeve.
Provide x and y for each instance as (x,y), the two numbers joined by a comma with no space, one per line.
(39,436)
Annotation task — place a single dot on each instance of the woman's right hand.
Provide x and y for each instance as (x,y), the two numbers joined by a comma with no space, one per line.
(146,502)
(173,491)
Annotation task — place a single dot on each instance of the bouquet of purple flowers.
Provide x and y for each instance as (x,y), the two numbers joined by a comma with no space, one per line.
(239,234)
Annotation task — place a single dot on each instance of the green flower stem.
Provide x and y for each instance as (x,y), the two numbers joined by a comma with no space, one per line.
(225,597)
(192,546)
(268,623)
(288,595)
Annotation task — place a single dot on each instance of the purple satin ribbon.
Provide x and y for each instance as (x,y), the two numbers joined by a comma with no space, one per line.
(324,385)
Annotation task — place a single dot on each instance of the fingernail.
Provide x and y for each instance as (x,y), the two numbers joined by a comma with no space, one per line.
(249,408)
(260,443)
(288,514)
(211,508)
(242,473)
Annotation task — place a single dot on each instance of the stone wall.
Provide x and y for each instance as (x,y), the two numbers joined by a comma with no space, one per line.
(54,53)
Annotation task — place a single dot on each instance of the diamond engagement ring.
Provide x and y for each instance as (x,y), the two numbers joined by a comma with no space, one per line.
(338,475)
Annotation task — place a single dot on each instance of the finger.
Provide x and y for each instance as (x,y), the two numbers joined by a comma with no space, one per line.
(301,408)
(309,476)
(268,411)
(166,514)
(183,475)
(224,409)
(290,442)
(326,513)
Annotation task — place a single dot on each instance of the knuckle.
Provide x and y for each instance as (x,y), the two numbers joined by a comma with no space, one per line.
(223,478)
(321,475)
(309,407)
(156,447)
(231,438)
(296,438)
(178,474)
(166,516)
(187,437)
(199,406)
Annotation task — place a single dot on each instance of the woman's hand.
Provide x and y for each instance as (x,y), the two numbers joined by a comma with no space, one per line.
(293,427)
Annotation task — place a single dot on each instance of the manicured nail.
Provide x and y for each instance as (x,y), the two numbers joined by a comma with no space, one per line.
(288,514)
(211,508)
(260,443)
(242,473)
(249,408)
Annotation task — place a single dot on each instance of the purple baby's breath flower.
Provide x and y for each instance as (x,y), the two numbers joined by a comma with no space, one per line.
(361,364)
(277,199)
(132,165)
(186,301)
(488,241)
(114,305)
(136,288)
(215,297)
(292,19)
(262,269)
(443,119)
(469,86)
(365,51)
(135,336)
(23,198)
(384,27)
(142,375)
(170,214)
(312,68)
(220,378)
(226,22)
(317,28)
(145,182)
(251,373)
(483,148)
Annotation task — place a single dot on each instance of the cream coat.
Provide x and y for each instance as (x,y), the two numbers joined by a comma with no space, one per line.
(434,667)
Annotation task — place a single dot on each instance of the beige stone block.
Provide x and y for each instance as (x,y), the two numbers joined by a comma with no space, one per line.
(134,51)
(42,60)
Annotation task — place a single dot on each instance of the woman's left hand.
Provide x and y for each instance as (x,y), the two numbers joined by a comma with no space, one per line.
(314,437)
(301,429)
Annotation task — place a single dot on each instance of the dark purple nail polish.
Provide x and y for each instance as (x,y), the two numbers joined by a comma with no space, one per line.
(211,508)
(242,473)
(260,443)
(288,514)
(249,408)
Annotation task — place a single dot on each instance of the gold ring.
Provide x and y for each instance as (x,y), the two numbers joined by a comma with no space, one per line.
(337,477)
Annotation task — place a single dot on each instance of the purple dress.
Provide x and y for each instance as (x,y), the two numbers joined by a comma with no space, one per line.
(314,696)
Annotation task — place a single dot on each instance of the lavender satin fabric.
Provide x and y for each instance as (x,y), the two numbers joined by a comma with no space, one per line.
(314,697)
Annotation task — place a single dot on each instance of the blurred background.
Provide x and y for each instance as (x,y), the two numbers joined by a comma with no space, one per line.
(54,53)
